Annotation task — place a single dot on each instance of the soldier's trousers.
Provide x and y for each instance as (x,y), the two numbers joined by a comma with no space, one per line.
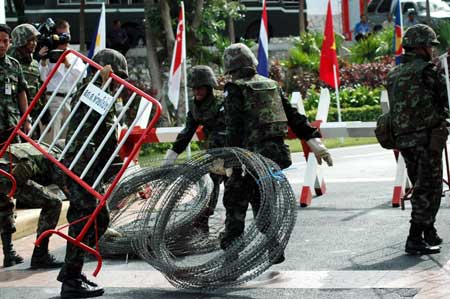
(31,192)
(425,171)
(82,203)
(214,197)
(34,195)
(7,216)
(239,193)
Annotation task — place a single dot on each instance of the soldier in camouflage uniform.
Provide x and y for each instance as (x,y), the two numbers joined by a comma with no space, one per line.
(82,203)
(13,102)
(418,110)
(206,110)
(24,39)
(33,172)
(257,115)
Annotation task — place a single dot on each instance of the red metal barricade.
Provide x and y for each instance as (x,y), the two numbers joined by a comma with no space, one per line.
(100,107)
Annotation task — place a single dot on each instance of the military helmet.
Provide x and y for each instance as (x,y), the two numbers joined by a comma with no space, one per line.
(238,56)
(115,59)
(202,75)
(419,35)
(23,33)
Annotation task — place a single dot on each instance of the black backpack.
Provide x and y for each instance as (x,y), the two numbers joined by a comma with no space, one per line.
(383,131)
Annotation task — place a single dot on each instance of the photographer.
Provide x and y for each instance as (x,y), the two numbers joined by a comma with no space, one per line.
(48,60)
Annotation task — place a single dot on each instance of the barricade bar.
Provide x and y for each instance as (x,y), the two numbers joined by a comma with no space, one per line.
(110,132)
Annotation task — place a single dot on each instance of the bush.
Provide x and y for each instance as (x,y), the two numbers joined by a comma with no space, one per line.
(365,113)
(373,48)
(357,97)
(372,75)
(160,148)
(369,74)
(305,53)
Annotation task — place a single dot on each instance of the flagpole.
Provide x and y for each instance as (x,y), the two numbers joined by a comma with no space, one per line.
(186,98)
(401,16)
(337,93)
(338,102)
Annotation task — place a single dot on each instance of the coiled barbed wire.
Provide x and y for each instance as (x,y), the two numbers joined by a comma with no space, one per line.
(126,201)
(180,193)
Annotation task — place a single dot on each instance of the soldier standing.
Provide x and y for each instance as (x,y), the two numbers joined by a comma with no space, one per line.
(418,111)
(74,283)
(24,39)
(257,116)
(206,110)
(13,100)
(33,172)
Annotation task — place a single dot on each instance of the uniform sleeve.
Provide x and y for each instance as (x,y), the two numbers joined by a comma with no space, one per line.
(22,83)
(185,136)
(437,84)
(298,122)
(233,100)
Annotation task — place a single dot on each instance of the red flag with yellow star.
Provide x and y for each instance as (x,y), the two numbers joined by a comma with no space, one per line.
(328,57)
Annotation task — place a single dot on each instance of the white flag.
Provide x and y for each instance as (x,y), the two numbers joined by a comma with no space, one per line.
(177,60)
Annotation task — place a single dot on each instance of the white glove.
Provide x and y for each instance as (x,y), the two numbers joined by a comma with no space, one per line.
(169,158)
(218,167)
(319,149)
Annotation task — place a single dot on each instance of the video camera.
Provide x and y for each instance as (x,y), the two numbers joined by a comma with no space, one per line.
(51,39)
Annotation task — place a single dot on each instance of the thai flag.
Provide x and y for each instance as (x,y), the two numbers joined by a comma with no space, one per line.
(177,60)
(398,32)
(99,41)
(263,45)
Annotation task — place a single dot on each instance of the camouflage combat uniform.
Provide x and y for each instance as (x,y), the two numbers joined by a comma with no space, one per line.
(418,109)
(32,172)
(82,203)
(208,113)
(30,67)
(12,82)
(257,116)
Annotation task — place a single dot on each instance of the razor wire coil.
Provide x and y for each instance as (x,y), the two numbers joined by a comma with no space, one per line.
(160,230)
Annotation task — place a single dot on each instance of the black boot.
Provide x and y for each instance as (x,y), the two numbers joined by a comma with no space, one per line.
(415,244)
(42,259)
(431,236)
(79,288)
(11,257)
(278,259)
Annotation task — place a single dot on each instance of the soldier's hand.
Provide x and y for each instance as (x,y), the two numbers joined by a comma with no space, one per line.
(320,151)
(26,127)
(105,72)
(218,167)
(169,158)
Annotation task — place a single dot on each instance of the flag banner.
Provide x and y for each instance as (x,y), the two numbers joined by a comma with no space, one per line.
(177,60)
(398,31)
(263,44)
(99,41)
(328,56)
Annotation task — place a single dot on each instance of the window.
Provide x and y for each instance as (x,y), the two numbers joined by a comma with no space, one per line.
(35,2)
(63,2)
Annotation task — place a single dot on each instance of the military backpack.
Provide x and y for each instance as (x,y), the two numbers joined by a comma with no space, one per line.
(383,131)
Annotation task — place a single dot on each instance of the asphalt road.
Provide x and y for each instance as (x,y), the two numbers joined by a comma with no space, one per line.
(348,244)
